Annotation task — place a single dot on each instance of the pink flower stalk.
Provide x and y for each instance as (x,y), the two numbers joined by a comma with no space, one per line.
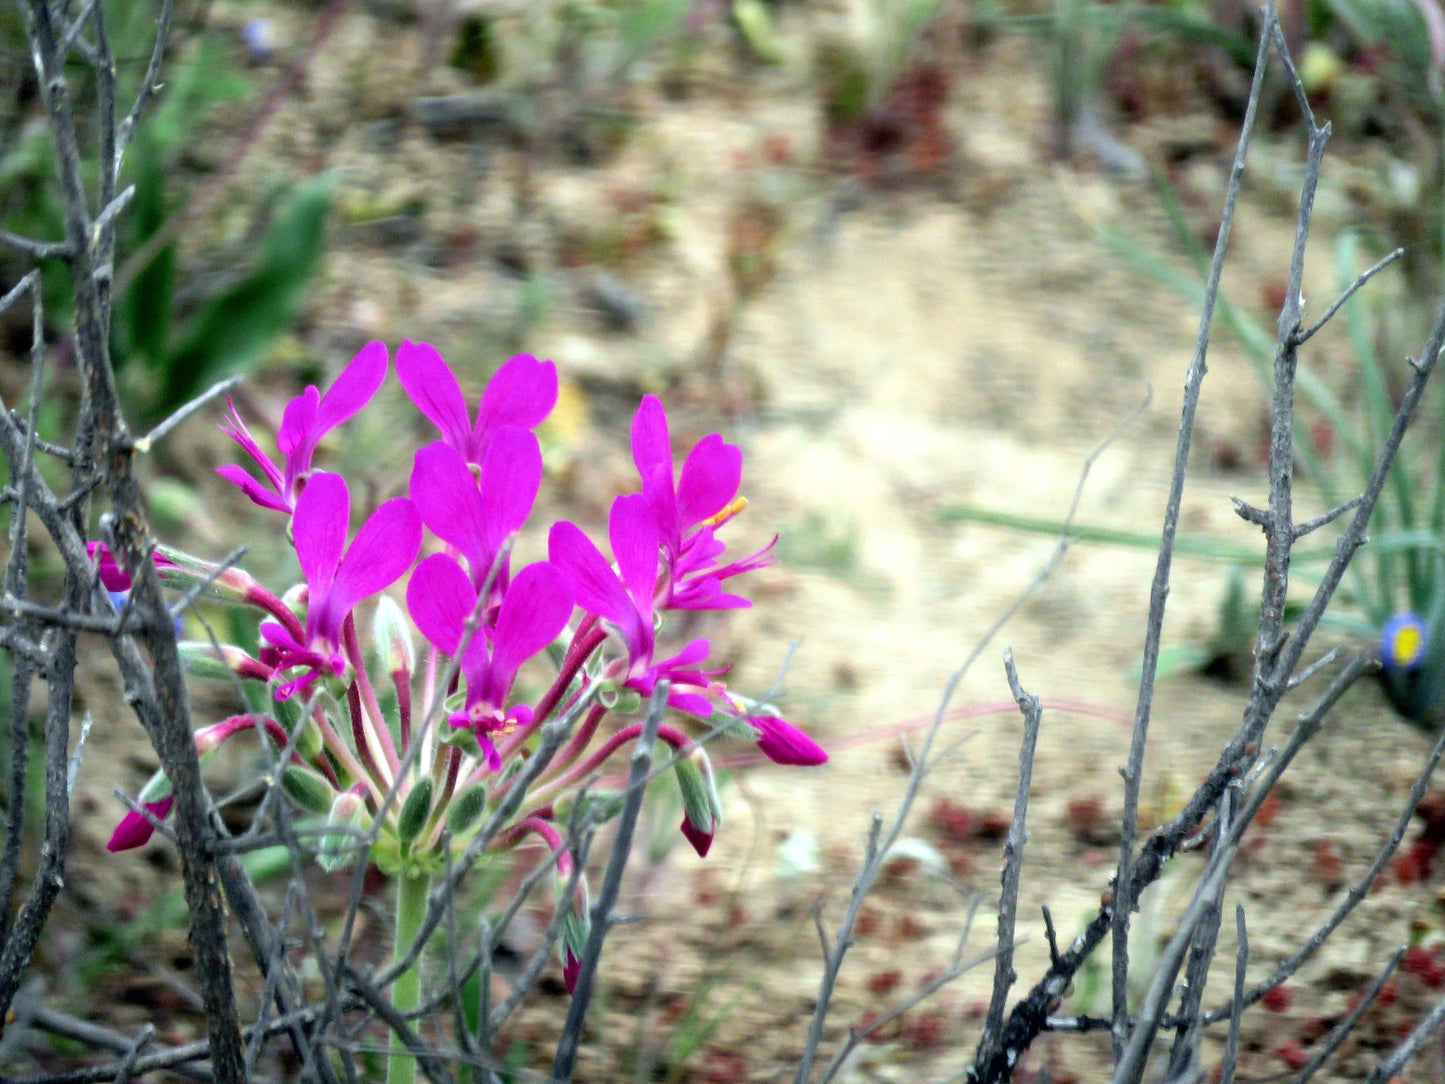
(688,508)
(382,550)
(521,393)
(478,522)
(112,577)
(308,418)
(626,601)
(532,613)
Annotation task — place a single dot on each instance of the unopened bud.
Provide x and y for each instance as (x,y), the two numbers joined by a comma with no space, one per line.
(466,809)
(201,659)
(182,568)
(701,807)
(391,636)
(414,812)
(308,789)
(348,822)
(157,787)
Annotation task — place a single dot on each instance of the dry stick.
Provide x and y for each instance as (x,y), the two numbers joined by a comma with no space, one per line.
(70,1027)
(1131,1066)
(16,583)
(874,855)
(1013,853)
(602,916)
(1125,899)
(1391,1066)
(1357,891)
(1184,1054)
(158,691)
(1341,1031)
(1236,1010)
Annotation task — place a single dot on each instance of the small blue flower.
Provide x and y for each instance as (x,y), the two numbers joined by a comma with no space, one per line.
(1403,641)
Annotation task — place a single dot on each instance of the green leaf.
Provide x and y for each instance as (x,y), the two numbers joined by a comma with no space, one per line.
(237,327)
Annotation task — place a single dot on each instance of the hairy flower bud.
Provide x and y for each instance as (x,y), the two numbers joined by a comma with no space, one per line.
(391,636)
(414,812)
(348,822)
(701,807)
(466,809)
(308,789)
(201,660)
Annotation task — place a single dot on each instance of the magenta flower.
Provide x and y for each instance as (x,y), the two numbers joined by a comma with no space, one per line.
(135,830)
(383,549)
(308,418)
(689,508)
(521,393)
(532,613)
(626,601)
(479,521)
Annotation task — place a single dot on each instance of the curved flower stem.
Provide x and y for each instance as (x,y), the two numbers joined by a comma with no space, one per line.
(401,681)
(259,597)
(411,896)
(338,748)
(352,646)
(583,738)
(674,737)
(365,747)
(588,638)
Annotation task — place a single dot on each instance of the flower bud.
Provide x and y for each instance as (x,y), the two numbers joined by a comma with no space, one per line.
(414,812)
(466,809)
(157,788)
(308,789)
(201,660)
(701,807)
(349,822)
(183,569)
(391,636)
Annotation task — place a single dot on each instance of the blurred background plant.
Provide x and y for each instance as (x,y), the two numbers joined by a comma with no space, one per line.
(168,343)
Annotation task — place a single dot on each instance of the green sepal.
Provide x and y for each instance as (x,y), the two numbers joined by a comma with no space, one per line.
(308,789)
(597,806)
(700,802)
(414,813)
(464,739)
(466,809)
(157,787)
(350,819)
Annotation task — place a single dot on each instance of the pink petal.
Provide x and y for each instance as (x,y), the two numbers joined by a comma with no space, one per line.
(297,436)
(534,611)
(253,489)
(383,549)
(429,380)
(440,597)
(522,392)
(633,532)
(709,480)
(237,431)
(323,514)
(651,445)
(134,830)
(352,389)
(593,584)
(511,476)
(446,496)
(783,743)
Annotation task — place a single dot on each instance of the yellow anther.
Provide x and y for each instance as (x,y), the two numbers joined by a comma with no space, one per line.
(732,508)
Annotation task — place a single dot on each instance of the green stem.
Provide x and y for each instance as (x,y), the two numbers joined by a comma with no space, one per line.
(411,896)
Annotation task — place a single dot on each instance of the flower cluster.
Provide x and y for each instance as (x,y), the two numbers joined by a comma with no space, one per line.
(367,755)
